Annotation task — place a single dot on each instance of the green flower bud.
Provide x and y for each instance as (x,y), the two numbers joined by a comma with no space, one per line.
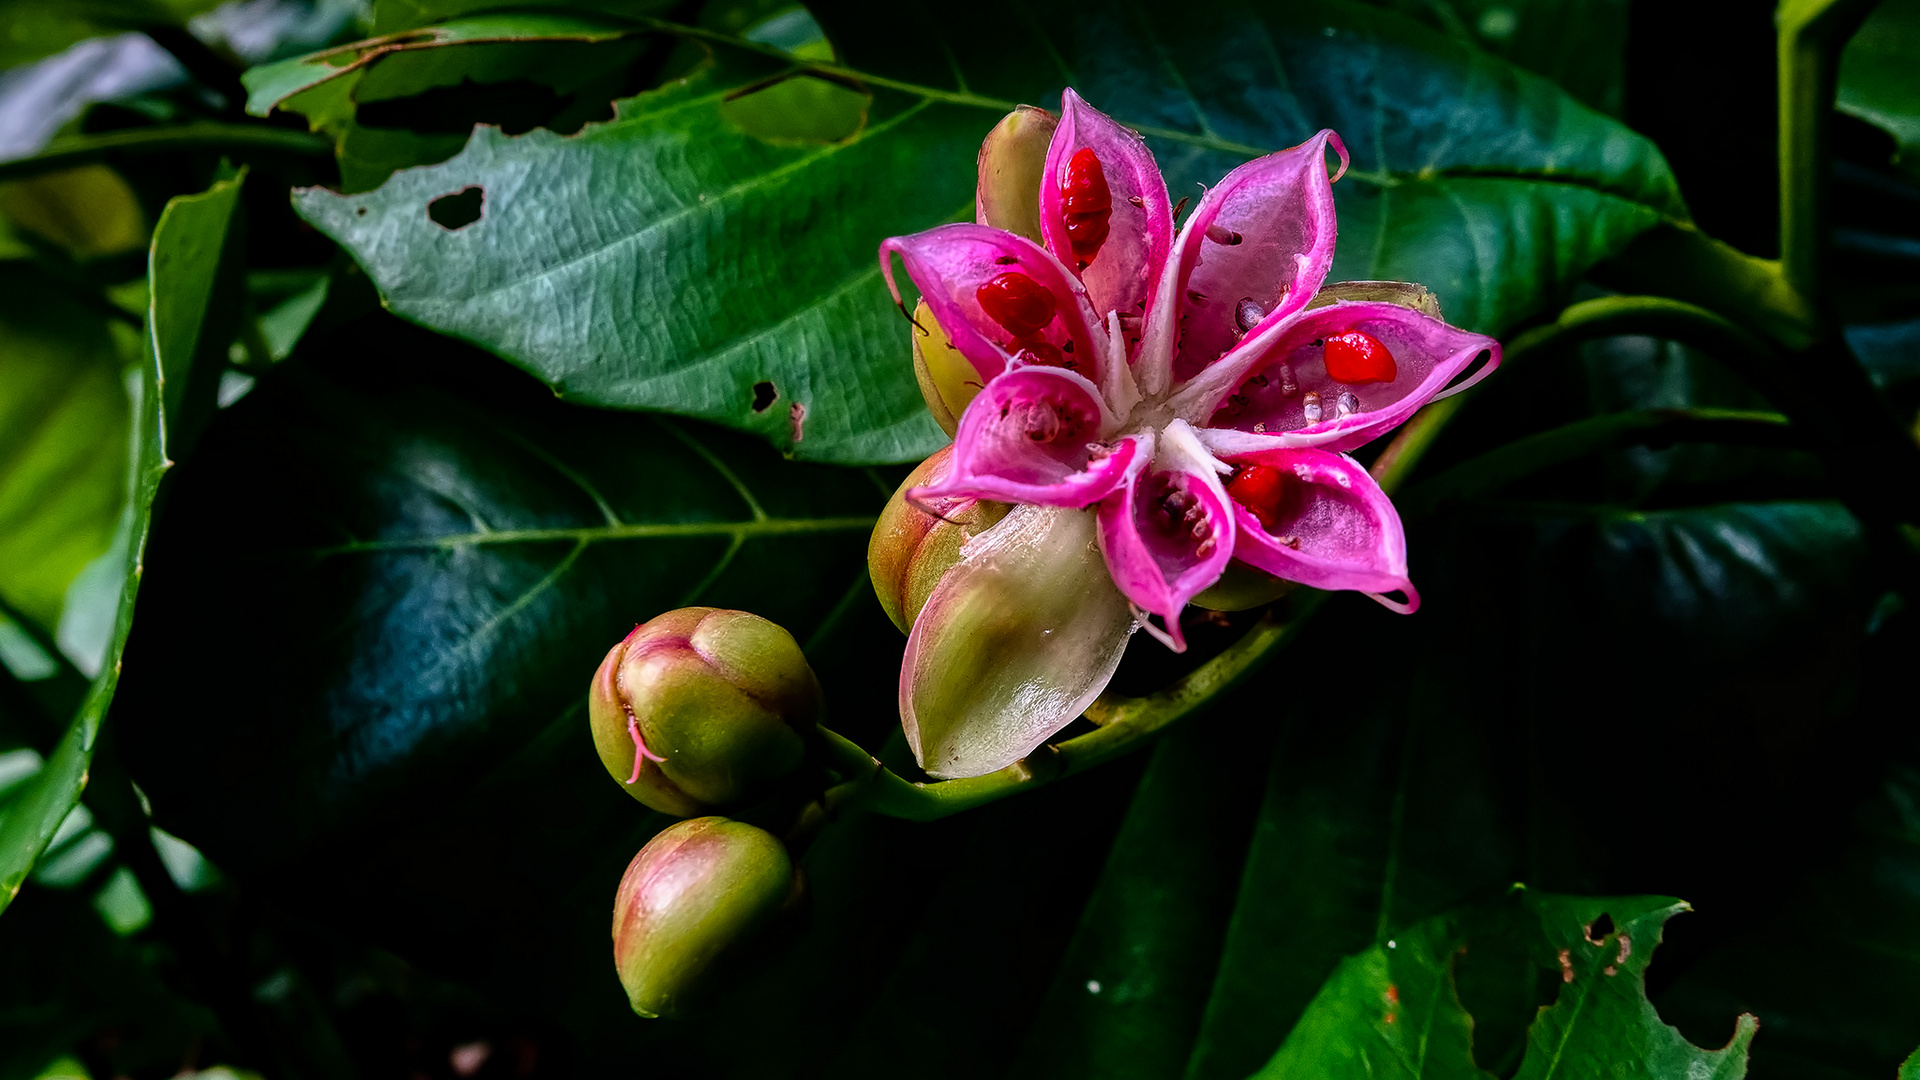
(947,380)
(702,708)
(912,549)
(690,902)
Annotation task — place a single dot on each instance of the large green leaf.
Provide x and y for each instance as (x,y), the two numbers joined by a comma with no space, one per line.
(419,586)
(645,262)
(63,440)
(184,265)
(1394,1010)
(1876,77)
(1579,44)
(1485,182)
(665,281)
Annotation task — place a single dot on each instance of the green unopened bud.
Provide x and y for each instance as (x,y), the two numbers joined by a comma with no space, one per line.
(701,708)
(912,548)
(1013,162)
(691,903)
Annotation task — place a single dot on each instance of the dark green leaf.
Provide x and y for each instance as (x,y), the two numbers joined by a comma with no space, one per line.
(390,16)
(1580,44)
(182,268)
(1486,183)
(1394,1011)
(659,293)
(1876,77)
(674,185)
(1127,997)
(269,86)
(417,585)
(63,440)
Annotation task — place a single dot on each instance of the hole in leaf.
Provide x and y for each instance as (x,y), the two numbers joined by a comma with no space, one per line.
(763,395)
(458,210)
(1599,928)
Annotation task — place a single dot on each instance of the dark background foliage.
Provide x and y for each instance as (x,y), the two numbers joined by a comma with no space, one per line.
(381,578)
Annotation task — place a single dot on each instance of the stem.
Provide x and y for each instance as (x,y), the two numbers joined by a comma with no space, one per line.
(1587,320)
(235,138)
(1524,457)
(1811,35)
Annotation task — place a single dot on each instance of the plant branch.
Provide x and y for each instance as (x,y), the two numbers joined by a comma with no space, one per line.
(1521,458)
(1811,35)
(238,139)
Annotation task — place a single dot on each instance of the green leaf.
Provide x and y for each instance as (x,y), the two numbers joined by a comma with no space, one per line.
(1127,997)
(63,439)
(1484,182)
(674,184)
(664,290)
(270,85)
(195,281)
(1394,1010)
(1876,77)
(427,559)
(183,266)
(1910,1068)
(394,15)
(1579,44)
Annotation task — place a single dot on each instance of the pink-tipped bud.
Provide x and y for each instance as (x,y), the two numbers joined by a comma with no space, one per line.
(913,547)
(695,899)
(702,708)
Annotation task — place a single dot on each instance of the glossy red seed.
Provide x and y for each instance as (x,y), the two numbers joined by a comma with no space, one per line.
(1356,357)
(1017,302)
(1261,489)
(1086,203)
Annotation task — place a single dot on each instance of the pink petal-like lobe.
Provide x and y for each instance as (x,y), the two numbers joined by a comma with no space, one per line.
(1286,381)
(1015,642)
(1037,435)
(1170,532)
(1122,274)
(1330,526)
(1253,253)
(950,264)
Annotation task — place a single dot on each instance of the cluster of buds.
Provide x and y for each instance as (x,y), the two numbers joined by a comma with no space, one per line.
(699,711)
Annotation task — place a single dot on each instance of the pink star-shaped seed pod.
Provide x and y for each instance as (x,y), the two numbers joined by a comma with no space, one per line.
(1155,405)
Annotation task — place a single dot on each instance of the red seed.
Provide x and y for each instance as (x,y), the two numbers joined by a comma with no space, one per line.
(1086,203)
(1261,489)
(1356,357)
(1017,302)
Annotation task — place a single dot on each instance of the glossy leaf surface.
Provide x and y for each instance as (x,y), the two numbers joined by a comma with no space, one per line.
(638,247)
